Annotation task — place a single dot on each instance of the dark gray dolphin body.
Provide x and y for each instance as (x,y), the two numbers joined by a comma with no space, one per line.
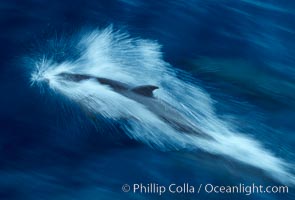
(144,95)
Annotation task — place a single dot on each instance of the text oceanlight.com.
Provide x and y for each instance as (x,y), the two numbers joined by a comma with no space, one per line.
(186,188)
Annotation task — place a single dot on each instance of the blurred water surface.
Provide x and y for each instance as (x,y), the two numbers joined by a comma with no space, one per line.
(241,52)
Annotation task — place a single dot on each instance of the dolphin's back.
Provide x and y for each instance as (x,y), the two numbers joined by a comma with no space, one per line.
(144,95)
(166,112)
(116,85)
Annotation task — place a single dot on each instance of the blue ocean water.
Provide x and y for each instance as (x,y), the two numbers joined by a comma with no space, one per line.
(241,52)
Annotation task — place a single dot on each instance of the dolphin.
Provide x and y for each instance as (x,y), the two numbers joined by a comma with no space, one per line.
(143,94)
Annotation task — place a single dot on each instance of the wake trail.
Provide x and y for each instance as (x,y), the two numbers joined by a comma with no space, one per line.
(115,55)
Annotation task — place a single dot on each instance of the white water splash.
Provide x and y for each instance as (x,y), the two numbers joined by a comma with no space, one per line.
(114,55)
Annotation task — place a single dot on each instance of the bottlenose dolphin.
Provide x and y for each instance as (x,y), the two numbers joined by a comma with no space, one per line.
(144,95)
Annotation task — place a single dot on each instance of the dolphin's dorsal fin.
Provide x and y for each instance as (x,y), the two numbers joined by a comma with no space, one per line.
(146,90)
